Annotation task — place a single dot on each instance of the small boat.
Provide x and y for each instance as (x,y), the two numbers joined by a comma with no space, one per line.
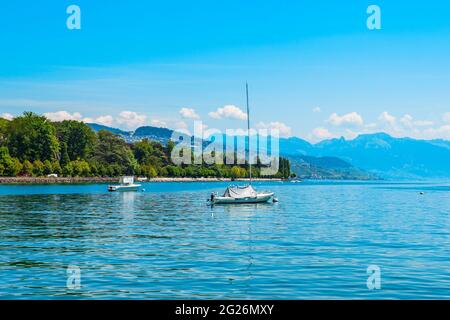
(243,194)
(126,184)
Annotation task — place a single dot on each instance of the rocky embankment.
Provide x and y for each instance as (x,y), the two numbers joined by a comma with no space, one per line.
(51,180)
(75,180)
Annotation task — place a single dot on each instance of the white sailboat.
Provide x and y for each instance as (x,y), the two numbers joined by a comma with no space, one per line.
(243,194)
(126,184)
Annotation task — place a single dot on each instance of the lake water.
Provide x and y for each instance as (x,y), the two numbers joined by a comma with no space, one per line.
(166,243)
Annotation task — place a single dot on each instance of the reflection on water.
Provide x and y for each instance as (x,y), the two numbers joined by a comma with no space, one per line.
(167,243)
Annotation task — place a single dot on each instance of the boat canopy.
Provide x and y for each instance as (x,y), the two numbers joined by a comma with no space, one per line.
(127,180)
(240,192)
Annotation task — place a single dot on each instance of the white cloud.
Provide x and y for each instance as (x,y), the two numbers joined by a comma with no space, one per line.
(7,116)
(408,122)
(423,123)
(317,110)
(63,115)
(321,133)
(352,119)
(131,119)
(238,132)
(442,132)
(404,126)
(283,129)
(104,120)
(385,117)
(180,126)
(158,123)
(189,113)
(371,125)
(446,117)
(228,111)
(174,124)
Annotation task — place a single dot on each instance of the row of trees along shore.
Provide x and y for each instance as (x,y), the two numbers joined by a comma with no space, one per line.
(31,145)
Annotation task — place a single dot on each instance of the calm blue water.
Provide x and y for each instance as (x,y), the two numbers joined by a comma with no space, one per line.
(165,243)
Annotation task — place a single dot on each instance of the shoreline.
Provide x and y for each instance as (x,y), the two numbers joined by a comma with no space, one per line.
(89,180)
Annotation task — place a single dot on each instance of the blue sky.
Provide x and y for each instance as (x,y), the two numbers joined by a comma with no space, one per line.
(314,69)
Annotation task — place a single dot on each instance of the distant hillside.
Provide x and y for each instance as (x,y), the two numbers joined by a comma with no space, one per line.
(97,127)
(330,168)
(379,154)
(295,146)
(441,143)
(306,167)
(391,157)
(153,133)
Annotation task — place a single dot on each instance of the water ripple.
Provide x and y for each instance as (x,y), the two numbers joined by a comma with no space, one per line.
(165,243)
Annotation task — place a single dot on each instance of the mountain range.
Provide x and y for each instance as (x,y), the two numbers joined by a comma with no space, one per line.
(382,154)
(367,156)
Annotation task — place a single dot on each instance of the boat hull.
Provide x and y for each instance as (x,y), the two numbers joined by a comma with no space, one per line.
(260,198)
(134,187)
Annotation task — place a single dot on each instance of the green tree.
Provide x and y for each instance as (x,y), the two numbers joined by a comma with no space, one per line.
(80,168)
(64,155)
(112,150)
(284,170)
(15,166)
(27,168)
(48,168)
(189,171)
(5,160)
(56,167)
(102,170)
(148,171)
(142,150)
(174,171)
(32,137)
(115,170)
(3,131)
(38,168)
(78,137)
(94,168)
(67,170)
(235,172)
(9,166)
(170,146)
(162,172)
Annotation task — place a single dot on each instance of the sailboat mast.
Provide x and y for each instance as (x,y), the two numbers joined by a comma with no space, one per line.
(248,132)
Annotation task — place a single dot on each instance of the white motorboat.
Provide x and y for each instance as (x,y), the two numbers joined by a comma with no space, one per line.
(126,184)
(243,194)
